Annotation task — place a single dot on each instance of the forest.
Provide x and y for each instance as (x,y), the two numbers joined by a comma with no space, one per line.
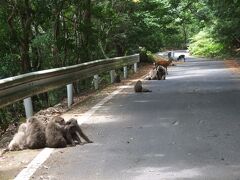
(42,34)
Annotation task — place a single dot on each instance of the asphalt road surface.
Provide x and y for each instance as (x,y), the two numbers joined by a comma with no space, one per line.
(187,128)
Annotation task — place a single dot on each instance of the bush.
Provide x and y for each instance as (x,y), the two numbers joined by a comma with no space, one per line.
(145,55)
(203,44)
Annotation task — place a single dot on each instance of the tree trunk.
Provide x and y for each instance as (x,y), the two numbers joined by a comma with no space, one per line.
(88,29)
(25,13)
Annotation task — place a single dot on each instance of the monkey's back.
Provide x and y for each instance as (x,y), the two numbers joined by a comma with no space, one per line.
(138,86)
(35,134)
(54,135)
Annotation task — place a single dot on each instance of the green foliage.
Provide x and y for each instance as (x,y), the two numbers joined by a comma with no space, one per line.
(225,22)
(9,65)
(203,44)
(146,56)
(10,114)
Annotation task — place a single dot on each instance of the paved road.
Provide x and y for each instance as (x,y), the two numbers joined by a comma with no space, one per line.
(187,128)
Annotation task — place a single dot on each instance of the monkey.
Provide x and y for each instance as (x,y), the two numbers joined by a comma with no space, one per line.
(161,72)
(152,75)
(182,56)
(138,87)
(19,140)
(164,63)
(76,132)
(35,134)
(117,79)
(169,54)
(157,73)
(56,133)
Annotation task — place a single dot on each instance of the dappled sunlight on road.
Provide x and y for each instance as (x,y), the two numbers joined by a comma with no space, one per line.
(184,76)
(207,71)
(98,119)
(142,101)
(154,155)
(199,73)
(179,172)
(126,86)
(164,172)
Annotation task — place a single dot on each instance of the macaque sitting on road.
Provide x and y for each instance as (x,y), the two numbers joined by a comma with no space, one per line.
(138,87)
(75,132)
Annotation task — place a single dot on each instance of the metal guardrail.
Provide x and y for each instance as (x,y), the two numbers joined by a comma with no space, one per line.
(19,87)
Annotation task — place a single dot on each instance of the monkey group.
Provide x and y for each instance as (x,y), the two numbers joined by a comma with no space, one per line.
(157,73)
(56,134)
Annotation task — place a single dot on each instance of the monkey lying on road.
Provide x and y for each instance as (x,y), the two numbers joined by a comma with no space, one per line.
(19,140)
(57,134)
(30,135)
(138,87)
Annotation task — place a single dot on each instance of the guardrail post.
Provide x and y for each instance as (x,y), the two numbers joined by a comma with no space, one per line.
(70,94)
(95,81)
(112,75)
(28,107)
(125,72)
(135,67)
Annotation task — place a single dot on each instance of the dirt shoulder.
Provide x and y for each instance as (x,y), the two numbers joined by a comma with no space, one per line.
(233,65)
(12,163)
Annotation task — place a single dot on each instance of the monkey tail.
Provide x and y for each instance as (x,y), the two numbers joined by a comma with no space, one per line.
(146,90)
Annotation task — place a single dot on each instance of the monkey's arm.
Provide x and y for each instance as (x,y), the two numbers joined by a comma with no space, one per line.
(68,136)
(79,133)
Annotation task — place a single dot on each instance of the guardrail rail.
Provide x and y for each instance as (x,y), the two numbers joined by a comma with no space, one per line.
(24,86)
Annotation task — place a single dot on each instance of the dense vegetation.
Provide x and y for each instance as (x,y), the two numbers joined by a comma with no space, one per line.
(43,34)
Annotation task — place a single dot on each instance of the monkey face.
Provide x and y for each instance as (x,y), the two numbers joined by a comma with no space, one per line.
(72,122)
(22,127)
(59,120)
(31,120)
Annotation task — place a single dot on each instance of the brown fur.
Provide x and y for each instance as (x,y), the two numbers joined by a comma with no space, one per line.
(157,73)
(35,134)
(76,132)
(138,87)
(55,133)
(19,140)
(163,63)
(161,72)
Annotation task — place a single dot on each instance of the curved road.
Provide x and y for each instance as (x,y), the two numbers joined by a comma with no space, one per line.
(187,128)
